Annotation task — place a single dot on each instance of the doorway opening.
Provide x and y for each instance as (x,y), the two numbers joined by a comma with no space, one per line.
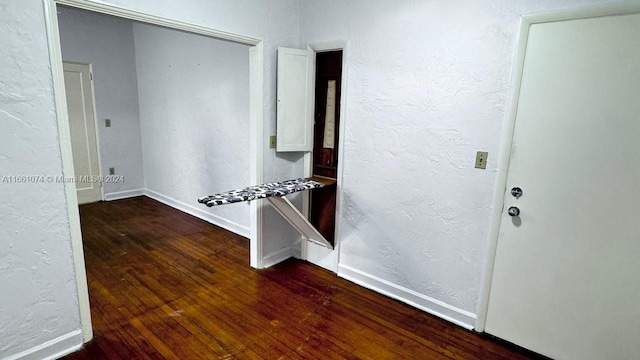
(327,158)
(328,90)
(166,103)
(256,98)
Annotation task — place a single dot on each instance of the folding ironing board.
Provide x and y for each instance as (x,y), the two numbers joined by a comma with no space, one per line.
(274,193)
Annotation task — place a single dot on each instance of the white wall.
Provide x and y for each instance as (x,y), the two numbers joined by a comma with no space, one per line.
(194,123)
(194,113)
(107,43)
(277,23)
(38,299)
(36,265)
(438,69)
(426,88)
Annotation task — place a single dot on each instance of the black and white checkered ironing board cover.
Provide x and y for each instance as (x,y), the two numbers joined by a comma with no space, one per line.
(260,192)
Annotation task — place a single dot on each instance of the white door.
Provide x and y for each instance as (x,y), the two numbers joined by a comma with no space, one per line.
(77,82)
(566,280)
(295,100)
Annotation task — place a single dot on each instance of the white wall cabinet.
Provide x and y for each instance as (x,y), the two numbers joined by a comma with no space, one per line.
(295,100)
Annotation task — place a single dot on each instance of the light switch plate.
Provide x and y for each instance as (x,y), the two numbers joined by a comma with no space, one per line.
(481,159)
(107,122)
(272,142)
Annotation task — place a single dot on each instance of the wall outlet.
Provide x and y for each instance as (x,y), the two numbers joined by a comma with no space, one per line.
(107,122)
(112,171)
(272,142)
(481,159)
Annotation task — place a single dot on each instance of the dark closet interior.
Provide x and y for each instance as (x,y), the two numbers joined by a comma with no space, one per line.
(325,140)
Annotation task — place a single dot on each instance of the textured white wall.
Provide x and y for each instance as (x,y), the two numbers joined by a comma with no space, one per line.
(38,299)
(194,114)
(277,23)
(107,43)
(426,88)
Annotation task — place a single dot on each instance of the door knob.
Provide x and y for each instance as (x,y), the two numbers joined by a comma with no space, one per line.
(513,211)
(516,192)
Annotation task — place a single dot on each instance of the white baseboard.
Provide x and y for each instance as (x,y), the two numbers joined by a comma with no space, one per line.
(123,194)
(52,349)
(432,306)
(199,213)
(277,257)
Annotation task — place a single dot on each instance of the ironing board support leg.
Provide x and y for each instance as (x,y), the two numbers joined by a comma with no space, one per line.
(285,208)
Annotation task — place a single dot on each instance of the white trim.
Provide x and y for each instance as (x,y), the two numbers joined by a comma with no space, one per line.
(118,195)
(184,207)
(256,133)
(256,99)
(585,12)
(64,134)
(501,179)
(200,214)
(344,46)
(307,168)
(95,120)
(131,14)
(334,45)
(52,349)
(425,303)
(509,126)
(277,257)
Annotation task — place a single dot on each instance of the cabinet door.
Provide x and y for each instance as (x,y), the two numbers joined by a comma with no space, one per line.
(295,100)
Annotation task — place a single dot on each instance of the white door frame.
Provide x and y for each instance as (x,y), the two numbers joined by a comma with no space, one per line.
(308,157)
(256,113)
(95,121)
(509,125)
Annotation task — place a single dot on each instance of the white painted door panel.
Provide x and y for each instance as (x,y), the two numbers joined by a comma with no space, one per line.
(322,256)
(295,100)
(77,82)
(566,279)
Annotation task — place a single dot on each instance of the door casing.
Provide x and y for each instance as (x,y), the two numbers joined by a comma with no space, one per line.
(509,126)
(256,114)
(333,258)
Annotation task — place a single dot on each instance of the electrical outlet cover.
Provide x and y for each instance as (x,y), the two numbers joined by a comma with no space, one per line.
(481,159)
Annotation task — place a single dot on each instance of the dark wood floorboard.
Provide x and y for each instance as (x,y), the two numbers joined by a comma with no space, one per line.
(165,285)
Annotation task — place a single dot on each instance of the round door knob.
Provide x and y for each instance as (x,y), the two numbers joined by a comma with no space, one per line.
(513,211)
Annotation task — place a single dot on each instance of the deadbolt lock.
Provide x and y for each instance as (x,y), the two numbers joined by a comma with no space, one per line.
(516,192)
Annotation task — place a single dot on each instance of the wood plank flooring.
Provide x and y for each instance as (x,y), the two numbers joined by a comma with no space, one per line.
(165,285)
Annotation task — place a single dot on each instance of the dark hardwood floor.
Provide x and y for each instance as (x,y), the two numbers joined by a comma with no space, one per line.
(165,285)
